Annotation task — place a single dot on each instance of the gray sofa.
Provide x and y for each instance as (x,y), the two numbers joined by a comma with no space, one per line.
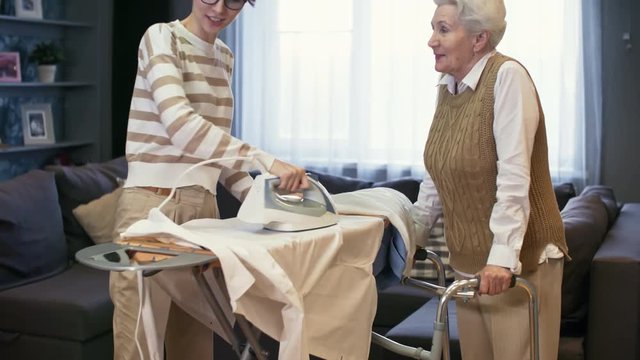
(51,307)
(54,308)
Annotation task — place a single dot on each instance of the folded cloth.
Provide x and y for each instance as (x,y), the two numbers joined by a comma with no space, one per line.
(399,241)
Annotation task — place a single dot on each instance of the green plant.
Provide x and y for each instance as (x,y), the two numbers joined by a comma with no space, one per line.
(46,53)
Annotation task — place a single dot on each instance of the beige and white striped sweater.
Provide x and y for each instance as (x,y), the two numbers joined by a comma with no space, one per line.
(181,114)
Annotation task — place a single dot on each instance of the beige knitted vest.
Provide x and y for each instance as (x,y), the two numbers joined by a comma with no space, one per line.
(460,156)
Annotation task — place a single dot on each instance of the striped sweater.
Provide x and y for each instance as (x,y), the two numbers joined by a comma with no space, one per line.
(181,114)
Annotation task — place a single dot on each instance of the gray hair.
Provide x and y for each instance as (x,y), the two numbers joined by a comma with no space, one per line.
(481,15)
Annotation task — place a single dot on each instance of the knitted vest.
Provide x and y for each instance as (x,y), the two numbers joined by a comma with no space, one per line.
(460,155)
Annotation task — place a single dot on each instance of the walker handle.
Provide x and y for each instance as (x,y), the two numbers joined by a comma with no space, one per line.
(511,284)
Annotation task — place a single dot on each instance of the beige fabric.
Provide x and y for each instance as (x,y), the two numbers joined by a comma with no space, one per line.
(312,290)
(505,318)
(97,217)
(134,204)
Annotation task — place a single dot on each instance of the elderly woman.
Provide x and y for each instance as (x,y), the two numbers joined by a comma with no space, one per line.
(487,173)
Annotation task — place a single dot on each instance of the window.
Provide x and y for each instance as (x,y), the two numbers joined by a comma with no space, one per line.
(349,87)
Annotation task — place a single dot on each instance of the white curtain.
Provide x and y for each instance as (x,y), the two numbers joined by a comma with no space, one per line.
(349,86)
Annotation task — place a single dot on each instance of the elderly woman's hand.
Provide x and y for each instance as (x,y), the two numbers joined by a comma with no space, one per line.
(494,280)
(292,178)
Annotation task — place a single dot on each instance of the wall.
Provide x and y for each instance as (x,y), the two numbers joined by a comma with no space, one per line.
(131,19)
(621,98)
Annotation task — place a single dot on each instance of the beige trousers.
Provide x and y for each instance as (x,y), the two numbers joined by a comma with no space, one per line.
(497,327)
(185,337)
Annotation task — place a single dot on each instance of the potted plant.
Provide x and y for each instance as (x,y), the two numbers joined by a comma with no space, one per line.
(47,55)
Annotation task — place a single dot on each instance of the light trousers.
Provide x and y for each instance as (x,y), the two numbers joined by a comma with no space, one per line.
(185,337)
(497,327)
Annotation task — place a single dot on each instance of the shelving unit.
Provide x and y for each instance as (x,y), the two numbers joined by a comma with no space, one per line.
(82,92)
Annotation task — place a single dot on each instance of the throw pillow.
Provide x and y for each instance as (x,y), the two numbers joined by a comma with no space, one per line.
(608,198)
(32,244)
(79,185)
(585,225)
(98,216)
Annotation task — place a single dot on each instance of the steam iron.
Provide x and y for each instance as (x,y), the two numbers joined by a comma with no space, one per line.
(311,209)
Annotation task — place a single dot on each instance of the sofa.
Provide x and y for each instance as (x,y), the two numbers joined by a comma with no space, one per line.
(51,307)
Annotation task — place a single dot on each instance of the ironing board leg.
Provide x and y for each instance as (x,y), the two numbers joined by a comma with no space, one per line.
(213,293)
(252,338)
(216,307)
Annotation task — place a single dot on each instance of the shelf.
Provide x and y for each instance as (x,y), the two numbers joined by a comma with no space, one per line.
(17,149)
(34,84)
(44,22)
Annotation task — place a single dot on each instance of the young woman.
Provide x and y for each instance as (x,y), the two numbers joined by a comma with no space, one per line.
(181,114)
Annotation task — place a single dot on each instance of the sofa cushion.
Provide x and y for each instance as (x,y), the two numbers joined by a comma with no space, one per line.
(396,303)
(339,184)
(585,225)
(408,186)
(417,329)
(32,244)
(564,192)
(79,185)
(73,305)
(97,217)
(608,198)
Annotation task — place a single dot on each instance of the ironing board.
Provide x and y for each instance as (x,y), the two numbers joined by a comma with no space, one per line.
(318,263)
(151,256)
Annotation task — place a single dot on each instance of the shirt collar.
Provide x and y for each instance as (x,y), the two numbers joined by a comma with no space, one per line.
(470,80)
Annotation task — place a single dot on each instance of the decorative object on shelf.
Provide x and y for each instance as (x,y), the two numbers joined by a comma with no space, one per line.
(48,55)
(37,124)
(10,67)
(29,9)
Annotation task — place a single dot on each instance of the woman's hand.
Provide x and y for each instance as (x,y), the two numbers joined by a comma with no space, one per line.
(494,280)
(292,178)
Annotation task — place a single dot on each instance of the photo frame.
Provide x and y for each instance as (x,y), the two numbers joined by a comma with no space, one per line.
(37,124)
(10,67)
(29,9)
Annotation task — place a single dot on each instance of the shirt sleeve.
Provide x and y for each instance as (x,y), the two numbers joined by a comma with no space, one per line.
(515,125)
(426,210)
(187,129)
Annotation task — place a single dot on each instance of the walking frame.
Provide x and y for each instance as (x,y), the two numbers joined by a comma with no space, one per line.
(464,289)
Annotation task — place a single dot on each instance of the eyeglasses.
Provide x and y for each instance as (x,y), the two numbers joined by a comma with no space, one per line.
(229,4)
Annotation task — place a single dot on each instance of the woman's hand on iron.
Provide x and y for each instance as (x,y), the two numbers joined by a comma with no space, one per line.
(292,178)
(494,280)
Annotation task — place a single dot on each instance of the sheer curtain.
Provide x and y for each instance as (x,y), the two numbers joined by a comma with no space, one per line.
(349,87)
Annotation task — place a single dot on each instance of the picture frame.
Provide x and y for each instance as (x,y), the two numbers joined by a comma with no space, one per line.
(37,124)
(29,9)
(10,67)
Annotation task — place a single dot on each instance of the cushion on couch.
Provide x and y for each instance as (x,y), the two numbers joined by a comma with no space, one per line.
(79,185)
(585,225)
(97,217)
(339,184)
(73,305)
(32,244)
(564,192)
(608,198)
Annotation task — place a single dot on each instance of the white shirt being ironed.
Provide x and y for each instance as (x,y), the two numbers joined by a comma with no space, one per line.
(514,128)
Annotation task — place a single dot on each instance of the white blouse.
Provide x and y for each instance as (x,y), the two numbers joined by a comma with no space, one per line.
(514,128)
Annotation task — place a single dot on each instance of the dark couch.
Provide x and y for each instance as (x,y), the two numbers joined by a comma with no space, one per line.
(54,308)
(51,307)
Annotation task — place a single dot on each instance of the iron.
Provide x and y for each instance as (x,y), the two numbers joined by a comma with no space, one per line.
(310,209)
